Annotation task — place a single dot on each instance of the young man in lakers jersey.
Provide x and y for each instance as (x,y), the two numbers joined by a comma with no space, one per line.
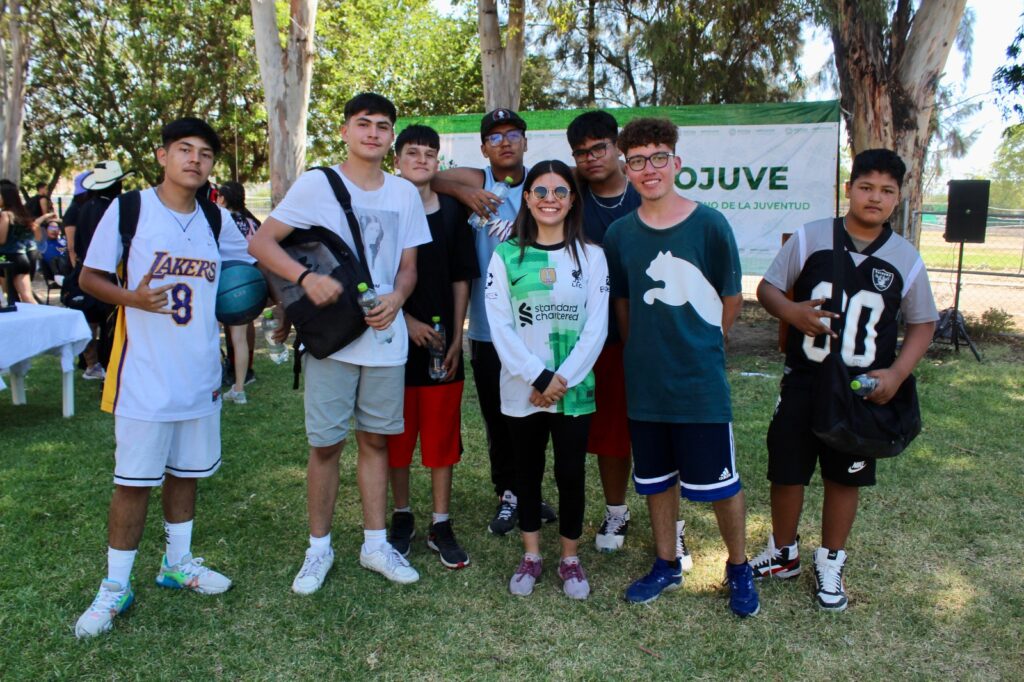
(163,386)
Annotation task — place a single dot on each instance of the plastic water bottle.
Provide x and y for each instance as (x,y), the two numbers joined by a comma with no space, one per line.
(368,301)
(501,191)
(437,351)
(278,351)
(862,384)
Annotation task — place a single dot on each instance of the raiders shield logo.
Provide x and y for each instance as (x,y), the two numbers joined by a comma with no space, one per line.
(881,279)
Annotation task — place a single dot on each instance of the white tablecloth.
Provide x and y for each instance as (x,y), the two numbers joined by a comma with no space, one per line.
(35,329)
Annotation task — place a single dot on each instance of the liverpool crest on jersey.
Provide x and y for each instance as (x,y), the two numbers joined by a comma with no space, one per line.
(881,278)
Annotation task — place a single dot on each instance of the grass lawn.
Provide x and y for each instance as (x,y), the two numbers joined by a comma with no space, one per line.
(934,576)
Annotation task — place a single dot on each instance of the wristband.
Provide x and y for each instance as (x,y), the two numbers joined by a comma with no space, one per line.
(298,282)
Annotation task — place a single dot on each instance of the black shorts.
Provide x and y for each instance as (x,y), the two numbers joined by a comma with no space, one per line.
(794,450)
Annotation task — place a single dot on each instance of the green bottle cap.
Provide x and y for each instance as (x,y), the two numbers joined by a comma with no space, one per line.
(435,319)
(361,287)
(855,385)
(508,180)
(269,314)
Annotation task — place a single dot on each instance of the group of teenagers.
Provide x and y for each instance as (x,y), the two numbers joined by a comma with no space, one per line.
(599,304)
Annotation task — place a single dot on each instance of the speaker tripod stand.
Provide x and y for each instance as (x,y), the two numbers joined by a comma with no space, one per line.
(957,329)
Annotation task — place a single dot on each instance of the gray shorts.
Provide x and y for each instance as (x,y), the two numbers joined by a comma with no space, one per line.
(336,391)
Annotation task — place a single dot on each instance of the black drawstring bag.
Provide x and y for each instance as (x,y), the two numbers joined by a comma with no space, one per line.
(843,420)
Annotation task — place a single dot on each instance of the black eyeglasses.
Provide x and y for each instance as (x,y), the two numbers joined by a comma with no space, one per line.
(560,192)
(513,136)
(639,162)
(596,151)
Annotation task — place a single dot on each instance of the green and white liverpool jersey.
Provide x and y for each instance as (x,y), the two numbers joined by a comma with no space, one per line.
(547,313)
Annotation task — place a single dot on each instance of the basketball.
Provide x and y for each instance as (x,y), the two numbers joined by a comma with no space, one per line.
(241,294)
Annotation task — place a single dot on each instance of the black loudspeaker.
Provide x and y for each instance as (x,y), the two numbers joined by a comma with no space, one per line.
(967,211)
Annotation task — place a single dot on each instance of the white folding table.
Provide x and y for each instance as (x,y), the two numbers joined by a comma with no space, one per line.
(32,330)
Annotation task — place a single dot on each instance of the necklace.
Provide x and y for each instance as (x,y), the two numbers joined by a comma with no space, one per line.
(184,226)
(622,198)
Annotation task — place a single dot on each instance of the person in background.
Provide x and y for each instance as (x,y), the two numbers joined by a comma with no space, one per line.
(19,235)
(40,204)
(70,218)
(241,339)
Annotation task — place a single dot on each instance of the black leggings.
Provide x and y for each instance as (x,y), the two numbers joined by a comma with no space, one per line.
(569,437)
(487,375)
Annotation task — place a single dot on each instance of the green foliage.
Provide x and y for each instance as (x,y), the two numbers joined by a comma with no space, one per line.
(425,63)
(659,52)
(105,76)
(1007,189)
(992,322)
(1009,78)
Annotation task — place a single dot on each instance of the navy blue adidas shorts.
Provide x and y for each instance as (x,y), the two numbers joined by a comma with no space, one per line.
(700,458)
(794,450)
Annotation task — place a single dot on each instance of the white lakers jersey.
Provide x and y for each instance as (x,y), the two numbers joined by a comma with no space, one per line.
(166,366)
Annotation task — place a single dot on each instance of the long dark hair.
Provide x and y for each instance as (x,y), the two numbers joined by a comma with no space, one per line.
(12,202)
(526,226)
(234,199)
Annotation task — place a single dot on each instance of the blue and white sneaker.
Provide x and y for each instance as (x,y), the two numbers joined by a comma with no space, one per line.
(111,600)
(665,576)
(743,599)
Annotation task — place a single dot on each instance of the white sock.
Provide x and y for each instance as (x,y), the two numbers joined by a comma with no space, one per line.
(179,541)
(406,508)
(320,546)
(510,497)
(570,560)
(119,565)
(439,518)
(374,540)
(531,556)
(617,509)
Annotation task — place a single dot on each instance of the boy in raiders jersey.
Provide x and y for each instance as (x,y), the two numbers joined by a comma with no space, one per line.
(884,279)
(164,383)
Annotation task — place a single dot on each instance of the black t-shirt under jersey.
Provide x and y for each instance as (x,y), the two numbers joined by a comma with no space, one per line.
(449,257)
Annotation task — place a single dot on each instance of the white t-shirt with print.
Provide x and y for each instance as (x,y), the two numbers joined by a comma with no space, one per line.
(391,219)
(166,367)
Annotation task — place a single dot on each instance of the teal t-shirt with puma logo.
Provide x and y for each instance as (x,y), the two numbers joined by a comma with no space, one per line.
(675,279)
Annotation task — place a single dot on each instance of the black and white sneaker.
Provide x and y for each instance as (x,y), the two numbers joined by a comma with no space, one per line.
(403,530)
(828,578)
(777,562)
(682,552)
(441,539)
(612,533)
(547,514)
(506,516)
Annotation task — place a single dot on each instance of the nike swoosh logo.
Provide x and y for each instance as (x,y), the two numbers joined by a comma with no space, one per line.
(855,467)
(517,280)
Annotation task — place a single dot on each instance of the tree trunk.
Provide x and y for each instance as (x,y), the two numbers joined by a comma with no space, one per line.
(888,91)
(591,54)
(14,48)
(502,66)
(286,72)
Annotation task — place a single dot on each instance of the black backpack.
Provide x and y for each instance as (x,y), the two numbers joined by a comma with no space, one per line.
(104,314)
(324,330)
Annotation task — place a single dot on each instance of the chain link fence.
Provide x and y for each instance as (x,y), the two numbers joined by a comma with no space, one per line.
(993,272)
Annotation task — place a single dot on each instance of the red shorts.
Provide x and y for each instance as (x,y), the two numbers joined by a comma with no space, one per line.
(432,413)
(609,427)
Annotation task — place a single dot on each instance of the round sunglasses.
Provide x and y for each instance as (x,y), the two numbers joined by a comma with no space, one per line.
(560,192)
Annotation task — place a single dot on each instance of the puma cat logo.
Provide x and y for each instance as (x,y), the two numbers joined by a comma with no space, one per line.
(684,283)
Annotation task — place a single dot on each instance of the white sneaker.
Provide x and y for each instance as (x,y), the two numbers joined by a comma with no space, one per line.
(682,553)
(612,533)
(313,572)
(96,372)
(828,578)
(237,397)
(390,564)
(110,601)
(190,574)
